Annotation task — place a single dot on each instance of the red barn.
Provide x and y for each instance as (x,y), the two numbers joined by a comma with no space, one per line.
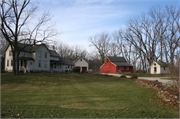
(116,64)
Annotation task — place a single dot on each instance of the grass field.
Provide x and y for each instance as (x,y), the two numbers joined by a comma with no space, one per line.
(144,75)
(78,96)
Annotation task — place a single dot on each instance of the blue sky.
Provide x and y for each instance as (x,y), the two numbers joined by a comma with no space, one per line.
(80,19)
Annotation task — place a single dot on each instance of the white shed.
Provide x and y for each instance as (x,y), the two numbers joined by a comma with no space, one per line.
(159,67)
(81,65)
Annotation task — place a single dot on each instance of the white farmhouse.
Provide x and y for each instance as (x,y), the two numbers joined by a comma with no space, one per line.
(37,58)
(159,67)
(81,65)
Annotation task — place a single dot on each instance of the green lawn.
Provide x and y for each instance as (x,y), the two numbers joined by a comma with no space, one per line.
(144,75)
(78,96)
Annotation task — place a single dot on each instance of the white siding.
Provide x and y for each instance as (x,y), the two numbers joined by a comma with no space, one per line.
(164,71)
(55,58)
(27,54)
(42,49)
(159,69)
(30,65)
(81,63)
(7,57)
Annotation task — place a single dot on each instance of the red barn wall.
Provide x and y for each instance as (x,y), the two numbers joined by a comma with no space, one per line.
(125,69)
(108,67)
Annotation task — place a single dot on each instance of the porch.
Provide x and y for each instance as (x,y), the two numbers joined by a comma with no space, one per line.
(25,64)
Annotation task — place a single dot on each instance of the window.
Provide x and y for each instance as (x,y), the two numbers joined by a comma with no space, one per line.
(39,54)
(10,53)
(45,55)
(121,68)
(45,64)
(164,68)
(30,63)
(23,54)
(127,68)
(39,63)
(60,66)
(7,62)
(68,66)
(11,62)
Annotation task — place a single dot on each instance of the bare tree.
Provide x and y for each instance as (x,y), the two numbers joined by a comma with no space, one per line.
(101,42)
(70,52)
(15,16)
(152,32)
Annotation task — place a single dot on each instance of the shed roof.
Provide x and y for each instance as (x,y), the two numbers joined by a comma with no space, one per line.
(162,64)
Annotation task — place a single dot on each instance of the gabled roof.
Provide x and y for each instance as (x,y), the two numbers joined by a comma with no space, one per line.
(27,47)
(66,62)
(162,64)
(54,53)
(119,61)
(78,59)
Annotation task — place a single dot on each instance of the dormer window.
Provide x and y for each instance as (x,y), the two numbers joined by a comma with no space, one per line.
(39,54)
(23,54)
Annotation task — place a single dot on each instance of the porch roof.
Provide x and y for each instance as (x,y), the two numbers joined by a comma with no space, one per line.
(55,61)
(26,58)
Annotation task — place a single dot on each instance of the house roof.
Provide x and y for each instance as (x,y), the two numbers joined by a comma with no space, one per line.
(54,53)
(66,62)
(119,61)
(162,64)
(27,47)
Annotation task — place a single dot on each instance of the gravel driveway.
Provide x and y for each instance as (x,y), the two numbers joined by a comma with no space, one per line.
(164,81)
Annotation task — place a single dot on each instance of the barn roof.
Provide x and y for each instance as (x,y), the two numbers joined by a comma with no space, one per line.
(119,61)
